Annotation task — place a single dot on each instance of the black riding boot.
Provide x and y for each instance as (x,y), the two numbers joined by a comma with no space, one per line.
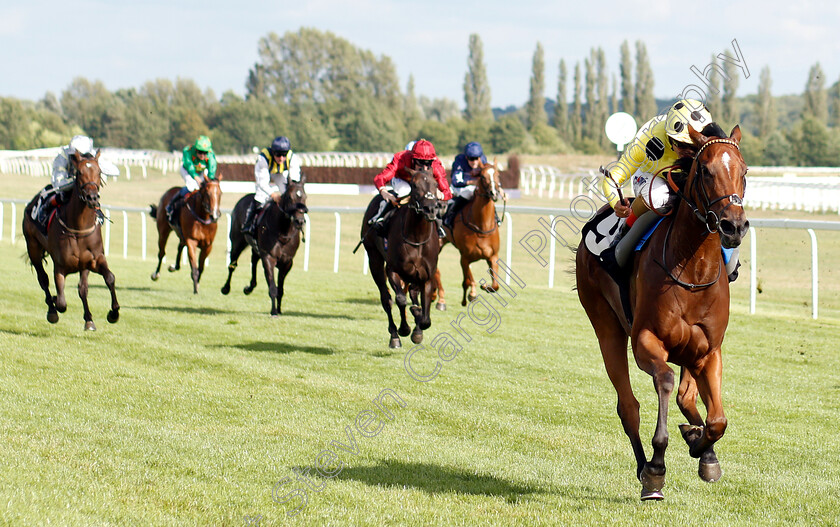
(248,222)
(174,204)
(380,220)
(457,204)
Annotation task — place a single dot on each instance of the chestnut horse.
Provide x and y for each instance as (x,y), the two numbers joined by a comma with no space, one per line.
(196,229)
(679,300)
(407,257)
(475,234)
(278,238)
(74,242)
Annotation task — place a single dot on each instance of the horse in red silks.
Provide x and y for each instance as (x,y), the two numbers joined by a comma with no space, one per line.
(679,301)
(196,228)
(73,239)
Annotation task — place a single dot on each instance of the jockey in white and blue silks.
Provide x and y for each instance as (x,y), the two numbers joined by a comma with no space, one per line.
(464,169)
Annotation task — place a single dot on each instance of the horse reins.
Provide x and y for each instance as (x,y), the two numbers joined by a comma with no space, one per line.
(703,218)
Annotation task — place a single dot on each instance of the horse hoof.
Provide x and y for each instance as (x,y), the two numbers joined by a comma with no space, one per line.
(113,316)
(172,268)
(275,315)
(488,288)
(52,317)
(440,306)
(404,331)
(650,481)
(248,290)
(61,309)
(709,472)
(417,336)
(652,495)
(395,343)
(691,433)
(225,289)
(89,326)
(471,298)
(155,276)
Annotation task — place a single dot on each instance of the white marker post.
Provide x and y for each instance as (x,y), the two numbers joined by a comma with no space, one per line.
(620,129)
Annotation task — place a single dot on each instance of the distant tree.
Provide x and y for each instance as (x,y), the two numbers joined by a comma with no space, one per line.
(602,106)
(239,125)
(812,145)
(816,104)
(412,112)
(713,95)
(575,123)
(730,114)
(14,125)
(535,107)
(476,86)
(561,107)
(590,130)
(614,96)
(85,102)
(364,126)
(444,137)
(645,100)
(765,108)
(628,103)
(506,134)
(777,150)
(440,109)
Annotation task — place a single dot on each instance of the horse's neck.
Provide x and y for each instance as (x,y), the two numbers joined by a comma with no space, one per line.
(482,210)
(196,201)
(77,215)
(690,241)
(416,225)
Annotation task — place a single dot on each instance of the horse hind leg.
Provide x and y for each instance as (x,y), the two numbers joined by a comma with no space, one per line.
(163,237)
(255,258)
(177,265)
(377,271)
(399,295)
(441,294)
(469,282)
(110,282)
(236,250)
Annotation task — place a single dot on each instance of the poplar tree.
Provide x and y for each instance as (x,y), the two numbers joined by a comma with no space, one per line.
(561,108)
(816,104)
(628,103)
(589,131)
(602,106)
(576,127)
(765,107)
(645,100)
(476,86)
(713,100)
(535,108)
(730,114)
(413,112)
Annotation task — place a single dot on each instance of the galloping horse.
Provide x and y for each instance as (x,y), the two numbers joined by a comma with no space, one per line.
(278,237)
(196,229)
(476,235)
(679,306)
(409,258)
(74,242)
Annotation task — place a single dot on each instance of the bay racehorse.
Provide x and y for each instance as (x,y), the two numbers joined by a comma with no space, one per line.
(196,228)
(407,257)
(679,301)
(278,233)
(73,240)
(475,234)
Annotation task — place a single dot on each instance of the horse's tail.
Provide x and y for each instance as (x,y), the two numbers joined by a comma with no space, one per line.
(153,211)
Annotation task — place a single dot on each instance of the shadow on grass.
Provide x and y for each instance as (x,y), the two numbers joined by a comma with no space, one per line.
(370,301)
(278,347)
(313,315)
(119,287)
(186,309)
(434,479)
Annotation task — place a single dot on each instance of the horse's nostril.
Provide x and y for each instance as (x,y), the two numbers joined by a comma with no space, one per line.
(727,228)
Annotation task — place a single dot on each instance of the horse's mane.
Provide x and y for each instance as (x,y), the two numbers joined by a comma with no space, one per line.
(683,165)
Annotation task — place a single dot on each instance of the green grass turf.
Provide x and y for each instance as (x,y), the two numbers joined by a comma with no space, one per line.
(192,408)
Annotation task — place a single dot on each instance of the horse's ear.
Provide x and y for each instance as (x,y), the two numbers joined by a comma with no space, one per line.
(696,137)
(736,134)
(218,176)
(98,151)
(302,178)
(77,157)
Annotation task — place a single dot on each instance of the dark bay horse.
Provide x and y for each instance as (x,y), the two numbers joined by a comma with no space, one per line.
(476,235)
(197,223)
(679,306)
(278,237)
(73,241)
(410,259)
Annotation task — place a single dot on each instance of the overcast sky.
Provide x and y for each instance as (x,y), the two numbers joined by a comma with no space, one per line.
(44,44)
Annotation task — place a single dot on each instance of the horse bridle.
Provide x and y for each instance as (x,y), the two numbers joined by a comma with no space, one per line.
(711,226)
(205,203)
(710,218)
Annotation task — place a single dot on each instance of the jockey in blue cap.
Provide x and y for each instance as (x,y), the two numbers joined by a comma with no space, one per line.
(276,164)
(465,167)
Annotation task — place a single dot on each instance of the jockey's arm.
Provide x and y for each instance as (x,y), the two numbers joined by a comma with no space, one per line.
(60,176)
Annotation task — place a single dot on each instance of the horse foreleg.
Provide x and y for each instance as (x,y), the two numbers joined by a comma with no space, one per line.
(60,300)
(399,295)
(268,266)
(255,257)
(111,282)
(205,252)
(83,292)
(650,353)
(426,303)
(469,282)
(493,264)
(441,294)
(177,266)
(282,271)
(36,254)
(708,385)
(377,272)
(192,250)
